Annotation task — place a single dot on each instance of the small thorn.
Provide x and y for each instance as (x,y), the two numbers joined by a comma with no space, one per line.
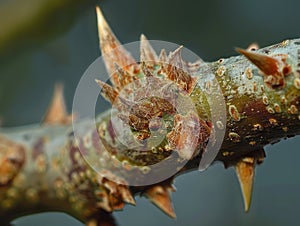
(274,68)
(57,113)
(177,71)
(127,196)
(147,52)
(108,92)
(163,56)
(160,196)
(245,170)
(175,58)
(253,47)
(112,50)
(268,65)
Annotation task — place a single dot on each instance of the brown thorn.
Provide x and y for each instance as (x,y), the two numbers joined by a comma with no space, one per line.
(147,52)
(163,56)
(175,59)
(111,48)
(127,196)
(245,170)
(274,68)
(57,113)
(178,71)
(268,65)
(108,92)
(160,196)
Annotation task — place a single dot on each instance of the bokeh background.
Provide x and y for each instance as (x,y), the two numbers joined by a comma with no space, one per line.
(45,41)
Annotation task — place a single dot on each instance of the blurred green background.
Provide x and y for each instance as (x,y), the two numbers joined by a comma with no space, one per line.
(45,41)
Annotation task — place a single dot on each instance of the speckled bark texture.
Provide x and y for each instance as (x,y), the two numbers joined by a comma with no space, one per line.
(42,168)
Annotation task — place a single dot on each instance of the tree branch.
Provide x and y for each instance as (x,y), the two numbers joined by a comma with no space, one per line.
(43,168)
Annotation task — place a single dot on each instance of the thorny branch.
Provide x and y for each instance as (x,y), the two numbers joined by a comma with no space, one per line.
(42,168)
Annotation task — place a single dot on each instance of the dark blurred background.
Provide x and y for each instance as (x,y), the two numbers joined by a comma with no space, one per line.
(45,41)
